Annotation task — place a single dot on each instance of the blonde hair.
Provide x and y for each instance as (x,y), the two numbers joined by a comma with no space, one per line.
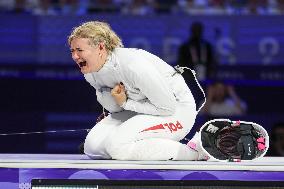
(96,32)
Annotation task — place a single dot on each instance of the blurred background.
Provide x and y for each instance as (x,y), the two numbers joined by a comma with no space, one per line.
(235,47)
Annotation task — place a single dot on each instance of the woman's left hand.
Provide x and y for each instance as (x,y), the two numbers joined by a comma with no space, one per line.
(118,92)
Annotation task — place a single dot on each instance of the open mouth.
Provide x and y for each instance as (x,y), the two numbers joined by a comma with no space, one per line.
(82,64)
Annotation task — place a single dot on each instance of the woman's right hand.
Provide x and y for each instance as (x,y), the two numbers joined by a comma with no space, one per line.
(119,94)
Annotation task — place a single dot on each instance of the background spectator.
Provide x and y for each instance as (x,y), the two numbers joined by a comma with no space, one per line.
(76,7)
(197,53)
(44,7)
(222,100)
(193,6)
(164,6)
(99,6)
(138,7)
(276,147)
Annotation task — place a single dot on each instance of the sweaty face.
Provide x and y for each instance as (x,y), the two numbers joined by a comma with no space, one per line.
(87,57)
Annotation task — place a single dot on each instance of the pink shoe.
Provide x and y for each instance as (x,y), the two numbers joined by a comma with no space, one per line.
(195,144)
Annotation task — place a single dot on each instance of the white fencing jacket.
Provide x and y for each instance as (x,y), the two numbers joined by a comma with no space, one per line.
(152,87)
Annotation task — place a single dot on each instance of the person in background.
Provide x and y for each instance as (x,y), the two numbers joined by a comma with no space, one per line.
(277,140)
(197,53)
(138,7)
(222,100)
(73,7)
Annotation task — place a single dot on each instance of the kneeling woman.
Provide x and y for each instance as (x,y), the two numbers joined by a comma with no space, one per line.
(151,107)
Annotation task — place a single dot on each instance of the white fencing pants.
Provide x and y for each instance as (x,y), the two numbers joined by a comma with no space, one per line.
(127,135)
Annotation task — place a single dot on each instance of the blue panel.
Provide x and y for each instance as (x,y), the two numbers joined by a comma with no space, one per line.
(18,39)
(237,39)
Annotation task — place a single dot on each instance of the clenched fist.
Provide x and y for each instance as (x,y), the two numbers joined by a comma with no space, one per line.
(118,92)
